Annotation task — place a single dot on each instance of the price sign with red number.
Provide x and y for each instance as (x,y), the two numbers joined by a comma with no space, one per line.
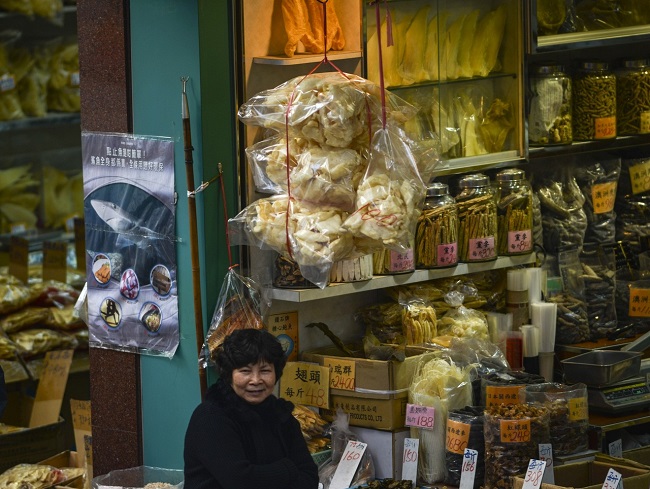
(342,373)
(468,471)
(534,474)
(410,459)
(348,465)
(419,416)
(305,383)
(515,430)
(612,480)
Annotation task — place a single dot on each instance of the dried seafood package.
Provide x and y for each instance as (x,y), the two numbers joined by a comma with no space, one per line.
(31,476)
(63,90)
(598,181)
(461,321)
(572,318)
(9,100)
(599,277)
(464,430)
(241,305)
(37,341)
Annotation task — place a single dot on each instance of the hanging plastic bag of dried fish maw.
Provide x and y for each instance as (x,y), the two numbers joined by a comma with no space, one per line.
(241,305)
(441,384)
(9,100)
(32,89)
(564,221)
(311,235)
(63,90)
(341,435)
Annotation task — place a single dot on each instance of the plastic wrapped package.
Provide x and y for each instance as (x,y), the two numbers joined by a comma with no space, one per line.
(33,476)
(51,293)
(461,321)
(341,435)
(512,436)
(37,341)
(9,100)
(599,277)
(564,221)
(568,414)
(32,89)
(443,385)
(240,305)
(13,295)
(8,349)
(598,181)
(502,387)
(63,89)
(24,319)
(141,477)
(464,430)
(65,319)
(19,200)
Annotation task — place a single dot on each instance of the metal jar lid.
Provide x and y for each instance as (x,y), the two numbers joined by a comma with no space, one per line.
(437,189)
(474,181)
(595,65)
(549,69)
(510,174)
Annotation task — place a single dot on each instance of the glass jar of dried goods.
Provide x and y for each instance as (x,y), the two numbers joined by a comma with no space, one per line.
(477,219)
(514,212)
(549,120)
(436,236)
(594,102)
(633,97)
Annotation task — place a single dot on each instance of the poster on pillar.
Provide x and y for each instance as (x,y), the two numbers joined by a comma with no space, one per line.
(129,210)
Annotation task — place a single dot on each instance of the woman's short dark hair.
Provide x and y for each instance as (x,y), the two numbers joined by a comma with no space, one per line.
(245,346)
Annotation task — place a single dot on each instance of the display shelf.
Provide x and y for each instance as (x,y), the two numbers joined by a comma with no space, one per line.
(386,281)
(590,39)
(51,119)
(477,163)
(301,59)
(621,142)
(438,83)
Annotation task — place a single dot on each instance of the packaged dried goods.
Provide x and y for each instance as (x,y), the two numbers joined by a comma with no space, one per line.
(594,102)
(391,262)
(19,201)
(632,205)
(436,236)
(313,428)
(550,117)
(48,9)
(24,318)
(514,212)
(568,410)
(464,430)
(599,277)
(352,269)
(572,320)
(477,219)
(37,341)
(633,97)
(461,321)
(32,475)
(512,435)
(32,89)
(502,387)
(63,89)
(551,14)
(286,274)
(9,100)
(8,349)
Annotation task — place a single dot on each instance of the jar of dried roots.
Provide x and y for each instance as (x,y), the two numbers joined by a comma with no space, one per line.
(477,219)
(514,212)
(436,236)
(594,102)
(633,97)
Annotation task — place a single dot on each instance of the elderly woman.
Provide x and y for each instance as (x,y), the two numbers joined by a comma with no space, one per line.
(242,436)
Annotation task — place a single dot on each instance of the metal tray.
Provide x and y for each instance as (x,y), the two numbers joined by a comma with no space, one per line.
(599,368)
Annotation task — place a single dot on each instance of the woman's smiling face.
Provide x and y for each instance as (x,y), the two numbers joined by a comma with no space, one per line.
(254,382)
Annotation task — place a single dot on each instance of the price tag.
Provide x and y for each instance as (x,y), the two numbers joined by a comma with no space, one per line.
(88,452)
(51,387)
(605,127)
(603,196)
(644,122)
(546,454)
(481,248)
(457,436)
(616,448)
(639,305)
(495,395)
(468,471)
(348,465)
(613,480)
(55,261)
(342,373)
(534,474)
(410,460)
(305,383)
(419,416)
(578,409)
(81,423)
(515,430)
(640,177)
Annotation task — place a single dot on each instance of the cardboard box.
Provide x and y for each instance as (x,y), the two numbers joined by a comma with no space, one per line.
(386,376)
(387,449)
(591,475)
(379,411)
(31,445)
(62,460)
(640,455)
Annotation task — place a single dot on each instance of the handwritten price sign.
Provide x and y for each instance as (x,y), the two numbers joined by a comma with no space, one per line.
(342,373)
(468,471)
(515,430)
(457,436)
(534,474)
(616,448)
(419,416)
(410,459)
(612,480)
(348,465)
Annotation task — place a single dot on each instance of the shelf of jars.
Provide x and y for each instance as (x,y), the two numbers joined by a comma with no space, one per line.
(582,147)
(580,40)
(386,281)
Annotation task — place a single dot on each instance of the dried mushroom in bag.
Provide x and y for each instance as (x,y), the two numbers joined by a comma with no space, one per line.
(240,305)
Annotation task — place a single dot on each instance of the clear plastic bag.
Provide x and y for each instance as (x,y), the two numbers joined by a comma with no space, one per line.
(241,305)
(633,203)
(599,277)
(140,477)
(464,430)
(572,319)
(340,436)
(461,321)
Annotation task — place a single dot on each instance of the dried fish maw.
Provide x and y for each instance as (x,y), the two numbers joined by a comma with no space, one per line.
(496,125)
(296,25)
(431,54)
(449,54)
(464,69)
(412,68)
(391,56)
(487,41)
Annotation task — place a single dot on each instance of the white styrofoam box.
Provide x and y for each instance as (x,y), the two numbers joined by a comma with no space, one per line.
(387,449)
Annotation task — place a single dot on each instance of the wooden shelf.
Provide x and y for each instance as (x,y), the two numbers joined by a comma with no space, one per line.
(386,281)
(301,59)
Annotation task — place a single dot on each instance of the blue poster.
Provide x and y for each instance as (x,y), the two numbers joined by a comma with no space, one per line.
(129,211)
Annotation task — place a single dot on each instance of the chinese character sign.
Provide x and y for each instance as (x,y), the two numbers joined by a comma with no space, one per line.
(129,211)
(305,383)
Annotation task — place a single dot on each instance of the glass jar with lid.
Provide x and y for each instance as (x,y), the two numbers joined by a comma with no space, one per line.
(633,97)
(549,120)
(436,236)
(594,102)
(477,219)
(514,212)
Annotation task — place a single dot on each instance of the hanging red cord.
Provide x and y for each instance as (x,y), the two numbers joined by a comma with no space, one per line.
(225,218)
